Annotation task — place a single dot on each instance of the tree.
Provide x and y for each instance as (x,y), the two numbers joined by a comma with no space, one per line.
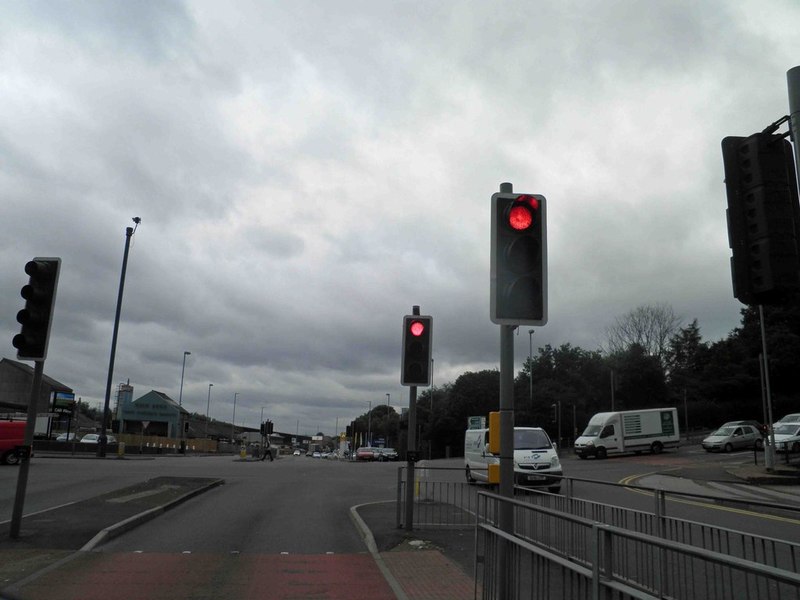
(648,326)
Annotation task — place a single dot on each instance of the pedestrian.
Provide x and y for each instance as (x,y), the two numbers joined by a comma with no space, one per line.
(267,452)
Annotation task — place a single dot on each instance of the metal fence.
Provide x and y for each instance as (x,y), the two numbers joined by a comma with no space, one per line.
(664,556)
(566,556)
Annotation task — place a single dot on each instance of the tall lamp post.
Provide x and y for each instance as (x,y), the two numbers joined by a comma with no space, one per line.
(233,420)
(208,406)
(369,424)
(101,446)
(388,419)
(183,370)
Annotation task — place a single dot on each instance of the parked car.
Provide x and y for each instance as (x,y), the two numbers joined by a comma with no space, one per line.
(790,418)
(762,429)
(787,437)
(94,438)
(296,453)
(66,437)
(732,437)
(384,454)
(365,453)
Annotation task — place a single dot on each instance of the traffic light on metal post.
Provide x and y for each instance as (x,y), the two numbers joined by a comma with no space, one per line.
(518,259)
(763,217)
(417,338)
(35,318)
(270,427)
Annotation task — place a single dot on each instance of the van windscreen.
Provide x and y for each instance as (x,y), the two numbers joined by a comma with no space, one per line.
(531,440)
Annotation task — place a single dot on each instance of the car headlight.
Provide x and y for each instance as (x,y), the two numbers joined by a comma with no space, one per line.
(590,443)
(554,462)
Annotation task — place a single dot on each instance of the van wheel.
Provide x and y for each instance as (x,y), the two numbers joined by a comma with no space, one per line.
(601,453)
(656,448)
(10,458)
(470,478)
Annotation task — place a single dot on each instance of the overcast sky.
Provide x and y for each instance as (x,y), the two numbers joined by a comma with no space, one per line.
(306,172)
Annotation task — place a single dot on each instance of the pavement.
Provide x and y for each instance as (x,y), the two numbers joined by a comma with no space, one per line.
(431,564)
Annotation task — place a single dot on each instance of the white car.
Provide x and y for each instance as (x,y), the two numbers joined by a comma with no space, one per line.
(63,437)
(733,437)
(296,453)
(94,438)
(787,437)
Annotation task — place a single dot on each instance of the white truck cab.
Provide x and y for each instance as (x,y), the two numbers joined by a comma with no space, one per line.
(651,430)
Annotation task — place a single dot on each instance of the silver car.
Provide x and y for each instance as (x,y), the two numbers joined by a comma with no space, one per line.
(732,437)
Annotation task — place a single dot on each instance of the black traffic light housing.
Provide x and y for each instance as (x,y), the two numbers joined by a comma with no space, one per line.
(518,259)
(763,217)
(415,368)
(40,296)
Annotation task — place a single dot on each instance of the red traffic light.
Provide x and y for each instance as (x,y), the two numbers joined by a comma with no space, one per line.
(417,328)
(520,214)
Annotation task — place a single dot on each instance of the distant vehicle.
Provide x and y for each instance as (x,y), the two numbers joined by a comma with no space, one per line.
(787,437)
(731,437)
(12,434)
(790,418)
(296,453)
(94,438)
(536,462)
(316,454)
(762,429)
(64,437)
(385,454)
(652,430)
(365,453)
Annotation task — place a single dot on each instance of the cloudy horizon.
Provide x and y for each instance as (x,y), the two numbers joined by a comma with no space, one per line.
(306,172)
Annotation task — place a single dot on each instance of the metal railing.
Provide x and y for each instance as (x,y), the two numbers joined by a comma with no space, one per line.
(441,504)
(604,561)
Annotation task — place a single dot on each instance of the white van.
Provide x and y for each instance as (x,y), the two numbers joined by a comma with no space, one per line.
(650,430)
(536,462)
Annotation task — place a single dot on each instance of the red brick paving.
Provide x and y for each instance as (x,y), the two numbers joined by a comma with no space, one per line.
(131,576)
(428,575)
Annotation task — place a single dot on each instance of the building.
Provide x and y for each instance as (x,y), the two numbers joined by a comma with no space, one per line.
(155,413)
(16,379)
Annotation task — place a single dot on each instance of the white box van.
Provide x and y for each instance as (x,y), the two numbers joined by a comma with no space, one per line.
(535,459)
(636,431)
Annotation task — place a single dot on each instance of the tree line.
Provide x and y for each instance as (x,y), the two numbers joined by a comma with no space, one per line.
(650,360)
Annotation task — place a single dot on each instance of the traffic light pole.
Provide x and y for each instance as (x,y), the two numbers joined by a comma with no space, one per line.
(25,460)
(411,449)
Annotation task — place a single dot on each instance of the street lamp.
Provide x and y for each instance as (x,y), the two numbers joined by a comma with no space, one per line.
(388,407)
(180,396)
(369,424)
(233,420)
(103,440)
(208,406)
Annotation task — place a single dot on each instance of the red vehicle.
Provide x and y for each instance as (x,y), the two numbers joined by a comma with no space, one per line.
(12,434)
(365,453)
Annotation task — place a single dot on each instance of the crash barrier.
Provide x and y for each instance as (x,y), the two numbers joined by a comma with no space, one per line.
(439,503)
(546,553)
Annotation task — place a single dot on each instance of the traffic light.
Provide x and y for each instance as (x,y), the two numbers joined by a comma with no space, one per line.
(763,217)
(518,259)
(270,427)
(35,318)
(417,337)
